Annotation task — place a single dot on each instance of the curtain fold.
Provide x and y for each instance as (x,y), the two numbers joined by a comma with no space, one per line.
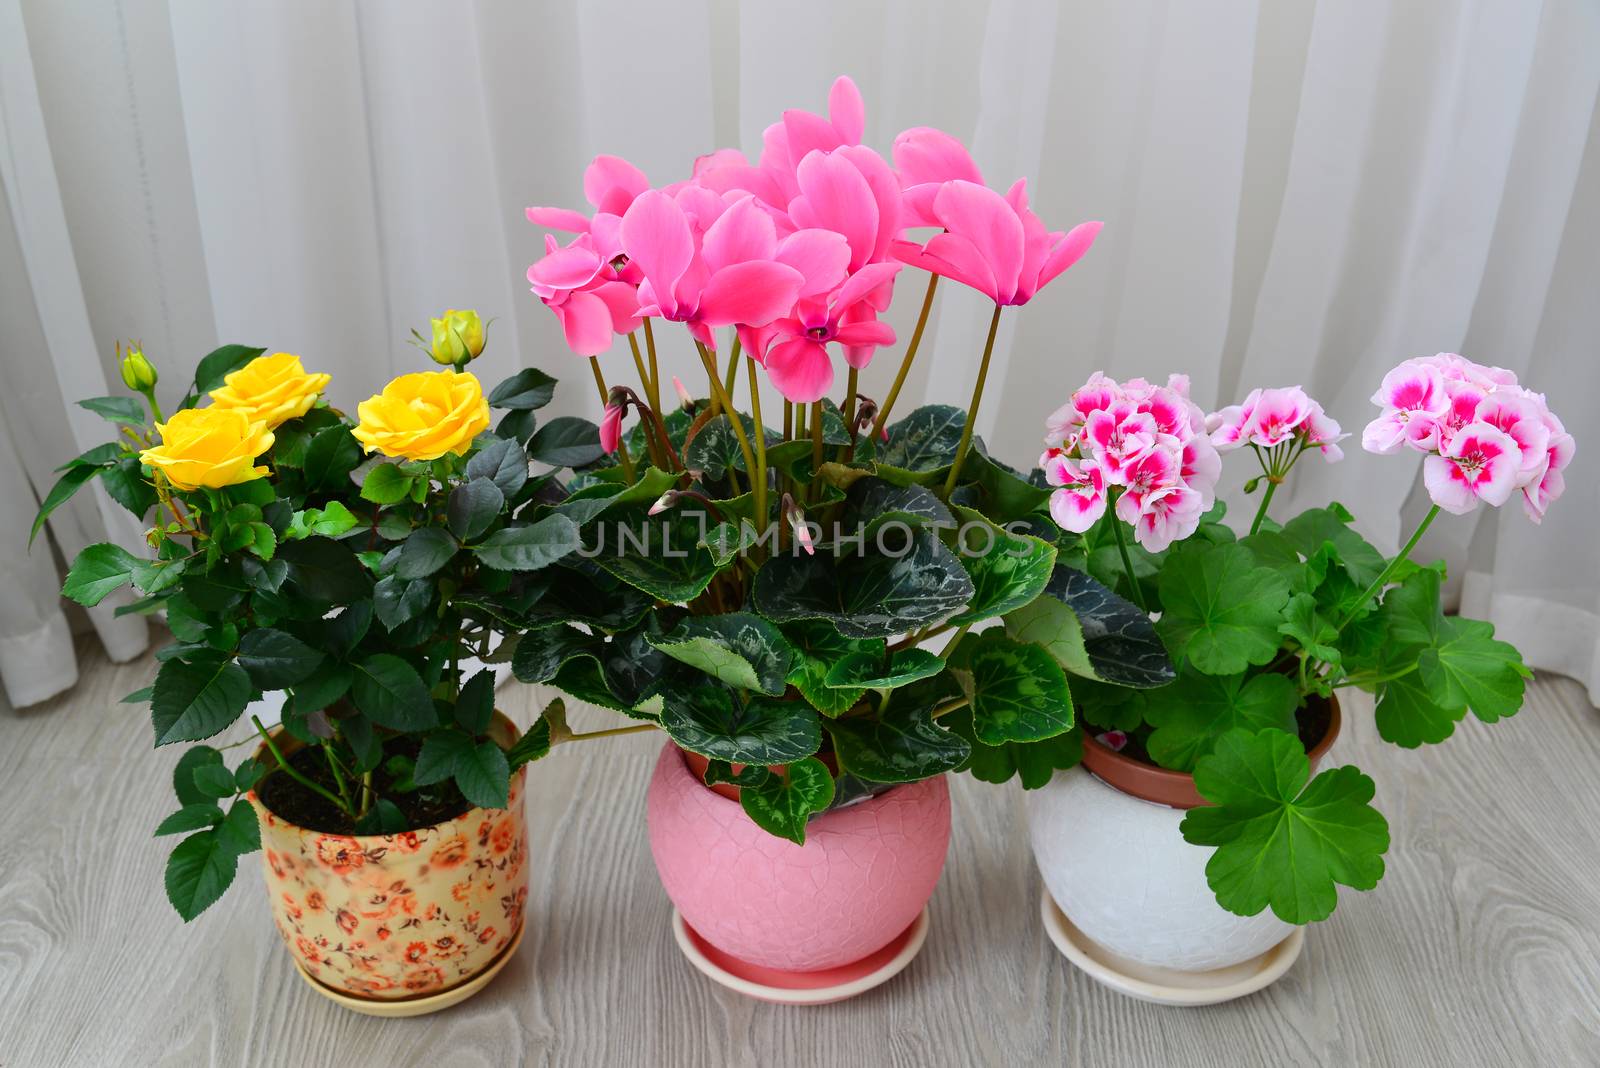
(1293,192)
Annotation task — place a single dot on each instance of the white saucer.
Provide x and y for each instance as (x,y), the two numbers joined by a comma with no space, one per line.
(802,988)
(1167,986)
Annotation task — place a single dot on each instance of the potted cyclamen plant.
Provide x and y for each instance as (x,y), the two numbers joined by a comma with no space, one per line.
(388,802)
(762,592)
(1264,624)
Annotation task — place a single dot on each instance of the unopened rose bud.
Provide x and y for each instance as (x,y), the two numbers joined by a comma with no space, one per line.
(138,373)
(683,394)
(457,337)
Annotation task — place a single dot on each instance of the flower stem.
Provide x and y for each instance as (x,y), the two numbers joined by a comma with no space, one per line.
(730,378)
(727,406)
(609,732)
(1266,499)
(816,437)
(651,389)
(287,769)
(759,478)
(850,398)
(1383,579)
(972,411)
(655,372)
(605,398)
(911,354)
(1127,560)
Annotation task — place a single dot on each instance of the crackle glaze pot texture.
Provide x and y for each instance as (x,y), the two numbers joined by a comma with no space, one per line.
(863,876)
(400,915)
(1120,870)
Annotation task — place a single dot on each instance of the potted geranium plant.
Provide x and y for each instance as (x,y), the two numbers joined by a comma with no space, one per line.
(1265,623)
(761,586)
(388,802)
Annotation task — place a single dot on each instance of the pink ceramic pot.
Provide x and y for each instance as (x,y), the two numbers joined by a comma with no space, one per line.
(863,876)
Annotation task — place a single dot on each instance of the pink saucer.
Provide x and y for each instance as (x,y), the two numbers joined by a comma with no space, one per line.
(802,988)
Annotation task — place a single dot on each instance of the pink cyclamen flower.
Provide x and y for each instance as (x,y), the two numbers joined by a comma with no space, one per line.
(684,396)
(582,288)
(610,184)
(798,362)
(926,159)
(1480,463)
(994,244)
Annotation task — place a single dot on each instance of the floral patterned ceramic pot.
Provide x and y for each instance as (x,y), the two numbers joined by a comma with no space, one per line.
(416,916)
(860,881)
(1105,836)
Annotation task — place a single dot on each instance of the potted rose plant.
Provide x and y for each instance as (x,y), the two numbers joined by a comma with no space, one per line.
(762,587)
(353,565)
(1265,624)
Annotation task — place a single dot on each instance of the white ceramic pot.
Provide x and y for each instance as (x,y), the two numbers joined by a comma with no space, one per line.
(1119,869)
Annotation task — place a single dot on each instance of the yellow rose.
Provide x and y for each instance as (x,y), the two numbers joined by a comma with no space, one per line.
(456,337)
(270,389)
(422,416)
(210,447)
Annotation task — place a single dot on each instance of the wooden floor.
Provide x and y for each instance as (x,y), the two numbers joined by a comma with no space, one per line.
(1482,945)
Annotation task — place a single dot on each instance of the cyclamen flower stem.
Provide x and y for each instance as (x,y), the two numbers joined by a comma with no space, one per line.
(727,406)
(816,436)
(972,411)
(850,397)
(605,399)
(1127,559)
(759,478)
(788,419)
(1266,499)
(911,354)
(650,388)
(610,732)
(655,373)
(1383,579)
(730,378)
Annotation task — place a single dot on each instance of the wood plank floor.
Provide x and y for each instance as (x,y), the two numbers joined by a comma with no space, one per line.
(1482,945)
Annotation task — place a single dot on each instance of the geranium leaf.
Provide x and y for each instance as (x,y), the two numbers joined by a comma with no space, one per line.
(1221,610)
(1092,632)
(1313,631)
(740,648)
(1472,669)
(1310,529)
(1033,763)
(1281,843)
(1018,692)
(712,721)
(783,803)
(1191,714)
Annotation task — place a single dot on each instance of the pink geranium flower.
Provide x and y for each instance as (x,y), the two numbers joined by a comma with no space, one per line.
(1480,463)
(1081,500)
(1413,400)
(995,244)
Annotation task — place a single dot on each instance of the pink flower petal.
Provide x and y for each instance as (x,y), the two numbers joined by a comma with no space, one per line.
(835,196)
(744,232)
(753,293)
(656,237)
(560,219)
(846,110)
(801,370)
(586,321)
(924,155)
(611,183)
(990,225)
(1069,251)
(821,256)
(953,256)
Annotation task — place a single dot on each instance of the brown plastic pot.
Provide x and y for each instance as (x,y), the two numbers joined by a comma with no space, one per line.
(1175,789)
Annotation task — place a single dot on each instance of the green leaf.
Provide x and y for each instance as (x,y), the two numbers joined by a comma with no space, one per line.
(329,521)
(1474,670)
(326,685)
(536,740)
(190,818)
(783,803)
(183,774)
(528,389)
(660,555)
(475,704)
(1007,572)
(714,448)
(97,571)
(740,648)
(423,553)
(214,781)
(901,743)
(483,775)
(213,370)
(68,484)
(1191,714)
(198,871)
(1018,692)
(330,458)
(384,817)
(1282,843)
(397,602)
(566,441)
(1005,495)
(276,660)
(1034,763)
(541,652)
(529,548)
(325,571)
(386,484)
(129,411)
(725,541)
(1220,610)
(501,462)
(711,721)
(473,508)
(125,483)
(392,694)
(1092,632)
(872,670)
(1310,529)
(817,646)
(925,440)
(436,760)
(195,701)
(875,595)
(1408,714)
(1311,630)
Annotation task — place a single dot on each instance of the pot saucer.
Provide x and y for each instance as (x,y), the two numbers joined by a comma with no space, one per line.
(1167,986)
(417,1006)
(801,988)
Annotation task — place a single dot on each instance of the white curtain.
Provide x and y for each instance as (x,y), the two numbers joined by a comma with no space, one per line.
(1293,192)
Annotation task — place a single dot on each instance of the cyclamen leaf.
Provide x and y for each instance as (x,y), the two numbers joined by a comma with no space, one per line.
(739,648)
(1282,843)
(818,646)
(1092,632)
(902,743)
(1018,692)
(1012,572)
(783,803)
(869,670)
(710,720)
(1220,610)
